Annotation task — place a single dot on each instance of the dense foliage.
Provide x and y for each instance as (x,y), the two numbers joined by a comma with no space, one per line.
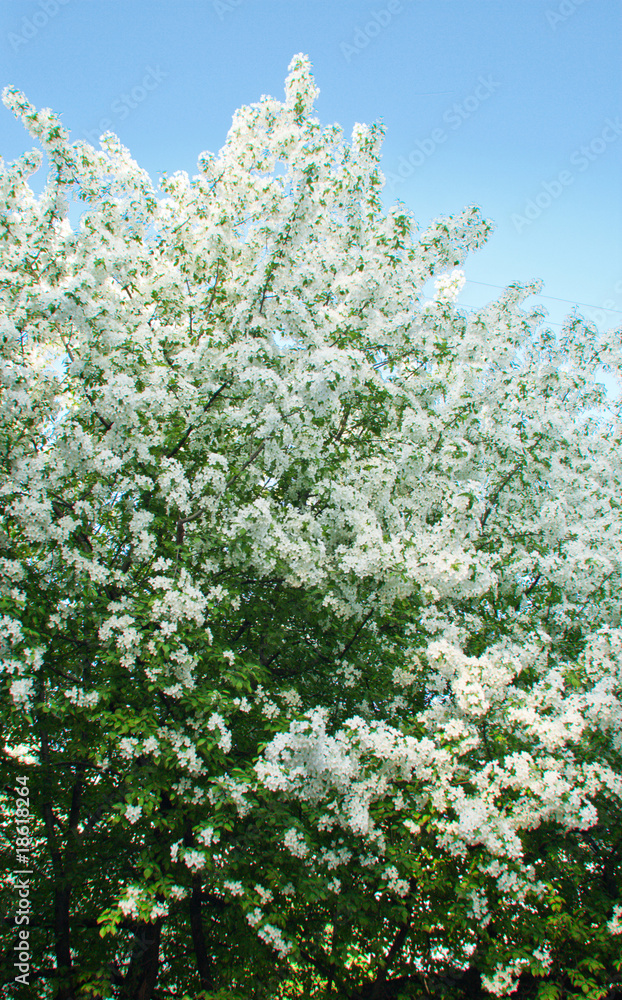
(310,588)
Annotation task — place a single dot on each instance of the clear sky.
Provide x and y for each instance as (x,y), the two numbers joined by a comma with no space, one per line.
(514,105)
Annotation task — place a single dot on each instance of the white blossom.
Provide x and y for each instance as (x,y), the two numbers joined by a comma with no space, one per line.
(615,924)
(195,860)
(21,690)
(133,813)
(79,697)
(295,843)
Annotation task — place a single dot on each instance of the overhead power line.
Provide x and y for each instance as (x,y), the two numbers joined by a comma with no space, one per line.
(555,298)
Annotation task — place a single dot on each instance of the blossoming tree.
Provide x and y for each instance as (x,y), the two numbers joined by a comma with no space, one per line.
(310,588)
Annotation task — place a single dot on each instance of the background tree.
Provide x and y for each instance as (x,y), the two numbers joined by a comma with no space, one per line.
(310,591)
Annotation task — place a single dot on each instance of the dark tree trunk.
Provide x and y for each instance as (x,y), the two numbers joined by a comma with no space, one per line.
(62,885)
(204,964)
(62,897)
(142,974)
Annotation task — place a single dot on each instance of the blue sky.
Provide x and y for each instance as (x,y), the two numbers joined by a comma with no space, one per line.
(514,105)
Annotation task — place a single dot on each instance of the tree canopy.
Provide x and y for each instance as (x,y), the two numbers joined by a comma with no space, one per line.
(310,588)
